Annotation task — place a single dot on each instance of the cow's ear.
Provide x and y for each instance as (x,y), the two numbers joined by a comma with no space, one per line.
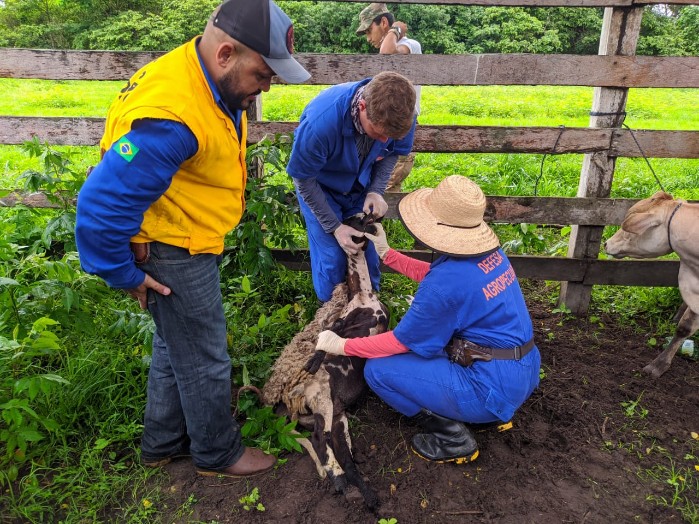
(639,222)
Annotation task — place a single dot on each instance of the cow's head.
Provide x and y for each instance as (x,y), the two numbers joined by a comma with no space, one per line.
(644,232)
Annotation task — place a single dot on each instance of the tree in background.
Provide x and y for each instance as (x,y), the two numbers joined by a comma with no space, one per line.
(174,22)
(329,27)
(578,29)
(158,25)
(667,30)
(30,23)
(513,30)
(688,25)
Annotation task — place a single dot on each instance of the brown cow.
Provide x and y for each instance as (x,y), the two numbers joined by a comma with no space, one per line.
(654,227)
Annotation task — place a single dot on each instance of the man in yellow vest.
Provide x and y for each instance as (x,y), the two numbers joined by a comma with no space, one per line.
(152,216)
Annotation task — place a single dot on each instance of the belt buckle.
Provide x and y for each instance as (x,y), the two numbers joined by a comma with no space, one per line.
(518,352)
(456,355)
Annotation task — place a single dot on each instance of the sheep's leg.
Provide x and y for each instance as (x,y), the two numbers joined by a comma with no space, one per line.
(322,443)
(342,444)
(689,323)
(308,446)
(318,399)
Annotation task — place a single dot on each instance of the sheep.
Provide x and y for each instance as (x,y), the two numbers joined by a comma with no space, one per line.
(317,395)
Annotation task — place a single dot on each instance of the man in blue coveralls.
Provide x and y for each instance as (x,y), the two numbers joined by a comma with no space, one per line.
(464,352)
(345,148)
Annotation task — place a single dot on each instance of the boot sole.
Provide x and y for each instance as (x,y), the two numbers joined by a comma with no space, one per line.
(214,473)
(455,460)
(500,428)
(163,461)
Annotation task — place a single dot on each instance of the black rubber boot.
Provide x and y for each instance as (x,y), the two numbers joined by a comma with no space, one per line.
(444,440)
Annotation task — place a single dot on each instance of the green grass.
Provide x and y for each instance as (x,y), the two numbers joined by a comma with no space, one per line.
(441,105)
(503,174)
(14,161)
(56,97)
(516,106)
(553,106)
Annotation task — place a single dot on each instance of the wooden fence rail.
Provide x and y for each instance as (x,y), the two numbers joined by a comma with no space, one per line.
(434,139)
(587,272)
(515,210)
(486,69)
(499,209)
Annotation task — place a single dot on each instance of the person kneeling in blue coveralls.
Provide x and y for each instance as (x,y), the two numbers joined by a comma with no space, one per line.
(345,148)
(464,352)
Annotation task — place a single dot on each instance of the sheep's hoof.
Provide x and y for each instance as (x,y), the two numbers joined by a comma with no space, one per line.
(353,495)
(340,483)
(371,499)
(656,370)
(314,363)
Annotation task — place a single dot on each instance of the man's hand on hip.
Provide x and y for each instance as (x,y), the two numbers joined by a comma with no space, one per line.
(140,293)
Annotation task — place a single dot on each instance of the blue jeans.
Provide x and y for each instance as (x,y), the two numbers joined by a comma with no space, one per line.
(483,392)
(189,381)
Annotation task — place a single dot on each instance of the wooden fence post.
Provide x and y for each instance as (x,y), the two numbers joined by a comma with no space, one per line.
(254,114)
(620,32)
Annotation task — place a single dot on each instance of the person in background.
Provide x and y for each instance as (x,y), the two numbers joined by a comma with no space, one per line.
(345,148)
(152,216)
(464,352)
(389,36)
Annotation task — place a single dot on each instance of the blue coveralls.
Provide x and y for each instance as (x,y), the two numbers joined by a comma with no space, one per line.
(478,299)
(324,148)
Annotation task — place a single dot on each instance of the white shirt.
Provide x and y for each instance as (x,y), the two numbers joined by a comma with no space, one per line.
(415,49)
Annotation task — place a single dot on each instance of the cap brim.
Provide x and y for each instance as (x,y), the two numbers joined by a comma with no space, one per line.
(415,214)
(362,28)
(288,69)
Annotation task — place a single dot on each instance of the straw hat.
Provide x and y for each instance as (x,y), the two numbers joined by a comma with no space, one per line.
(449,218)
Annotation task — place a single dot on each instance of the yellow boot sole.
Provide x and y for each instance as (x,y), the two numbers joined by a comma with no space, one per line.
(457,460)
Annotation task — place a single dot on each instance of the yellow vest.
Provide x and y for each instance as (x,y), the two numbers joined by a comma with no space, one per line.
(207,196)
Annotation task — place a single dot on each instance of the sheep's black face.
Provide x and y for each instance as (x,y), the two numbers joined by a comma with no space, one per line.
(363,223)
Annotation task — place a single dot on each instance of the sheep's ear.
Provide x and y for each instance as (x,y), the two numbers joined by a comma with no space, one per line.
(640,222)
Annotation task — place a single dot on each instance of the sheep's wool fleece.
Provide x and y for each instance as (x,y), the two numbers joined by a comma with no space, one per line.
(286,383)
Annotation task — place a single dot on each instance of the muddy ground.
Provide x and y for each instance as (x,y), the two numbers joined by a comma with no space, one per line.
(578,453)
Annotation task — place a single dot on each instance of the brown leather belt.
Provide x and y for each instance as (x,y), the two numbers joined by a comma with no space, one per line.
(465,352)
(141,252)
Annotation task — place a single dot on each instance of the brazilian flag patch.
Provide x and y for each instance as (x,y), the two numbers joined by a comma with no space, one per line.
(126,149)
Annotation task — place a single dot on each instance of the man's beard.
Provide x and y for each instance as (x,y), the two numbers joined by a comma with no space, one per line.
(233,98)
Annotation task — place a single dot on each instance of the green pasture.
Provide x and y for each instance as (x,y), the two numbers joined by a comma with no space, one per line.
(504,174)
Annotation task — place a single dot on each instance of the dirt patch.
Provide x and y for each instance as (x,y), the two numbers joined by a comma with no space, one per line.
(574,454)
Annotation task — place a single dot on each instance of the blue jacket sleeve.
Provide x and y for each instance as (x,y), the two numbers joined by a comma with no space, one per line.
(118,192)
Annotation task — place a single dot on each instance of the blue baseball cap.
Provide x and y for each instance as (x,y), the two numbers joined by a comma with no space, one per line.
(266,29)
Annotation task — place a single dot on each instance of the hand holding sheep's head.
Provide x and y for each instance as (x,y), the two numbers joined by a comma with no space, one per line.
(363,223)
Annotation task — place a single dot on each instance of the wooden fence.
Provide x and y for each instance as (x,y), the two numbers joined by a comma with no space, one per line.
(612,72)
